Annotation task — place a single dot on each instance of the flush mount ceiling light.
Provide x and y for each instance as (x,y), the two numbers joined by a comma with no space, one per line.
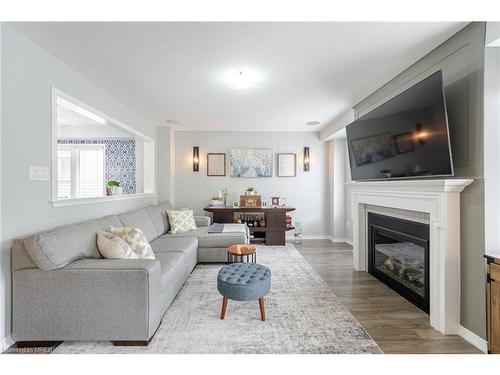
(172,122)
(312,123)
(241,79)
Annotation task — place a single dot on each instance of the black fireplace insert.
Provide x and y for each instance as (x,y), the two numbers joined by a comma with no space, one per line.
(398,255)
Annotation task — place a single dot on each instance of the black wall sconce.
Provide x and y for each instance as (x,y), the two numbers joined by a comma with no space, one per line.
(196,159)
(307,161)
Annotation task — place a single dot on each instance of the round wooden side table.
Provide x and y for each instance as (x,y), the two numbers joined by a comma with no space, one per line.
(237,253)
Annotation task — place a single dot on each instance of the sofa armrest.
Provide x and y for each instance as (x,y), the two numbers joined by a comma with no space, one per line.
(90,299)
(202,221)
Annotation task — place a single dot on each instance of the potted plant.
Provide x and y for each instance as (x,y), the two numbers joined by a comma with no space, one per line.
(113,187)
(250,191)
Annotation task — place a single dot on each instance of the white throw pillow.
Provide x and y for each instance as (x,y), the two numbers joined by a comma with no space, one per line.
(136,240)
(181,221)
(113,247)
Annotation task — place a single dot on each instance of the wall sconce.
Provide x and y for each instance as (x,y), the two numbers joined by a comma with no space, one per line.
(307,161)
(196,159)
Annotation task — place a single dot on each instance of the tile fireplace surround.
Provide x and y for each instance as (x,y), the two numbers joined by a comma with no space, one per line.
(440,199)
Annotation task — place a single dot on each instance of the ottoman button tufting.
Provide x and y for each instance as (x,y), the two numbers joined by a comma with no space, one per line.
(243,287)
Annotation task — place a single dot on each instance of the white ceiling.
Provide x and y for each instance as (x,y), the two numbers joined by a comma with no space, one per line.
(312,71)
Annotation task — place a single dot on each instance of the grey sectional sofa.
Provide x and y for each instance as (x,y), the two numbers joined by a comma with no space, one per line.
(63,289)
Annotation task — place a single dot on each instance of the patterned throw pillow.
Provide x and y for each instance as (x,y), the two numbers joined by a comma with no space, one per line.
(137,241)
(181,221)
(113,247)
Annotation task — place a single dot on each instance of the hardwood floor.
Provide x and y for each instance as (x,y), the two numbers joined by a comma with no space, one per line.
(395,324)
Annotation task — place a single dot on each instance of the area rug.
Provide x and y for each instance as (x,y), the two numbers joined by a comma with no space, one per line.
(303,315)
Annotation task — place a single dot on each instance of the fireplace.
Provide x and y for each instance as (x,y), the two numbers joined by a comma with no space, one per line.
(398,255)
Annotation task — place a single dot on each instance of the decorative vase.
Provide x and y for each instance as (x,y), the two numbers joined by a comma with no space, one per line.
(116,190)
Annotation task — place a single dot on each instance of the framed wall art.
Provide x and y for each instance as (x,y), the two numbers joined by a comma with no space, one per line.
(287,165)
(216,164)
(251,162)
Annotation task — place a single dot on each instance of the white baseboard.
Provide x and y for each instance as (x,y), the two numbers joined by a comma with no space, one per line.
(472,338)
(6,343)
(316,237)
(339,239)
(289,236)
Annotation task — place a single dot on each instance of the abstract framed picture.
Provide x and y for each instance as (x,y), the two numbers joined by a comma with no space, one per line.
(216,164)
(287,165)
(251,162)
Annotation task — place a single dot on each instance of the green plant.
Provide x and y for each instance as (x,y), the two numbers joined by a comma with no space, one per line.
(112,183)
(250,188)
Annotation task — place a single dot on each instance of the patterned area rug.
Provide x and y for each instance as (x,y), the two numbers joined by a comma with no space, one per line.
(302,316)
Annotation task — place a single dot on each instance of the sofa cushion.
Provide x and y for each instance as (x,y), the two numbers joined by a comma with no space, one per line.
(166,244)
(57,247)
(181,221)
(208,240)
(158,215)
(139,219)
(136,239)
(202,221)
(169,264)
(113,247)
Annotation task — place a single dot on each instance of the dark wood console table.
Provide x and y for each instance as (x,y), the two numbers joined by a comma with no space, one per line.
(274,231)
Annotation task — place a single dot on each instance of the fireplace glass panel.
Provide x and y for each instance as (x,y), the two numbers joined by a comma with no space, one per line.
(401,260)
(398,255)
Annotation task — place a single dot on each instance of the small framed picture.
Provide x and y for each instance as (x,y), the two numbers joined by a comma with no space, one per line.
(404,143)
(216,164)
(287,165)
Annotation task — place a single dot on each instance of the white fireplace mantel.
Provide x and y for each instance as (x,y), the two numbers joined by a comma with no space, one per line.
(441,200)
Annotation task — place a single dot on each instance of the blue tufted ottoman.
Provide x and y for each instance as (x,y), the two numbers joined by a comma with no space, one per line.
(244,282)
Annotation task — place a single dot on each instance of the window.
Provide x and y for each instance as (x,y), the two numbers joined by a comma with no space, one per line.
(80,171)
(96,157)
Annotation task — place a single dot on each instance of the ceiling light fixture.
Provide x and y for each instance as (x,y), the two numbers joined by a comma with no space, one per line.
(312,123)
(241,79)
(172,122)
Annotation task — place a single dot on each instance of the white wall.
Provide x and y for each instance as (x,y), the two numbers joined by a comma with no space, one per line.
(347,196)
(28,72)
(308,192)
(339,196)
(165,168)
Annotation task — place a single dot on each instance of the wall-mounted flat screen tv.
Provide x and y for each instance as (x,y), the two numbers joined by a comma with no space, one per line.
(406,137)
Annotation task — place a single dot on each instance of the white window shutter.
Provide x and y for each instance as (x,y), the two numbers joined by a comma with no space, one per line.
(91,174)
(80,171)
